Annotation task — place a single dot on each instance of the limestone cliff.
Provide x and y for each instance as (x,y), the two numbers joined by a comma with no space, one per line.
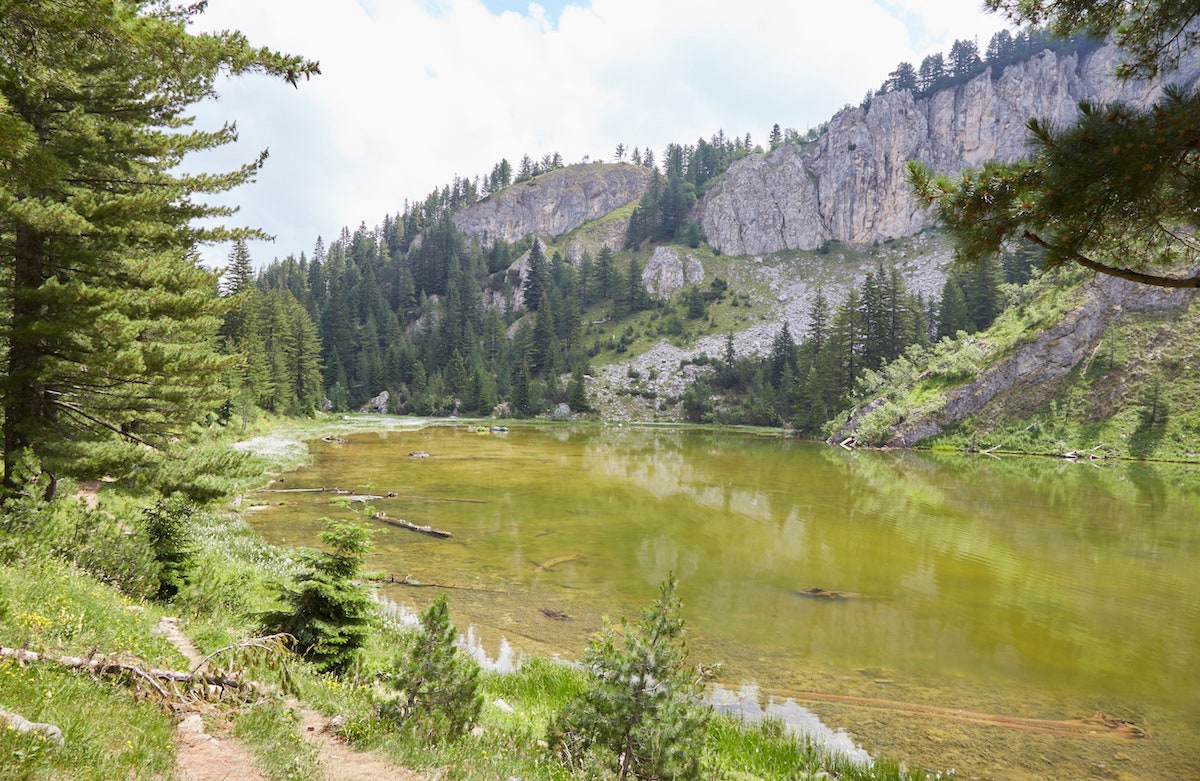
(849,185)
(554,203)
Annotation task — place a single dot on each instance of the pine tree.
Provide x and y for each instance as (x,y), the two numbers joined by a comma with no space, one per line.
(329,611)
(107,315)
(544,347)
(952,312)
(640,709)
(437,684)
(537,277)
(239,274)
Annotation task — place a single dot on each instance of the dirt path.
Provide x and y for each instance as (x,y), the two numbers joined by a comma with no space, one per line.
(203,757)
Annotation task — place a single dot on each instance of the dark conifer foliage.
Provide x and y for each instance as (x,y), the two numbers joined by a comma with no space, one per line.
(803,385)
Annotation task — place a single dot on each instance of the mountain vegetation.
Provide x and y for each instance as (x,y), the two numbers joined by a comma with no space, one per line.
(127,362)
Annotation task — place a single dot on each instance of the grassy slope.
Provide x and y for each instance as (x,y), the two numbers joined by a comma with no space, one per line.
(1137,395)
(1134,396)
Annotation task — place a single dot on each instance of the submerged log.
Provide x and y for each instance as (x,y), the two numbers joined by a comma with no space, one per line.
(409,580)
(403,524)
(816,592)
(552,563)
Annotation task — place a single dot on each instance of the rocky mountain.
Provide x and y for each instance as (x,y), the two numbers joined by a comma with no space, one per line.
(849,185)
(555,202)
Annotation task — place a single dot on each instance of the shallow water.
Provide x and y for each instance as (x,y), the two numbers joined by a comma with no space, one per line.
(1026,588)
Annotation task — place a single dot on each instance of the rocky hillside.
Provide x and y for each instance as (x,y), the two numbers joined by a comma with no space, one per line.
(1059,343)
(555,202)
(849,185)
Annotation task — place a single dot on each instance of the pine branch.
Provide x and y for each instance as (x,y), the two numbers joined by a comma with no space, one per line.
(1116,271)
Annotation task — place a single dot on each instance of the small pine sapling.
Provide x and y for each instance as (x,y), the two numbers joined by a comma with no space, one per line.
(641,707)
(329,612)
(437,684)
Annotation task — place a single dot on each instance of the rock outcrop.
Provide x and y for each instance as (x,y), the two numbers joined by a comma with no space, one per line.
(850,184)
(556,202)
(666,273)
(1051,354)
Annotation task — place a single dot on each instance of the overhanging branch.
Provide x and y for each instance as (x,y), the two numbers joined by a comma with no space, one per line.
(1140,277)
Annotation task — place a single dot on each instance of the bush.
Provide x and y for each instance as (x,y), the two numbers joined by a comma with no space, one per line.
(168,526)
(641,707)
(437,684)
(329,612)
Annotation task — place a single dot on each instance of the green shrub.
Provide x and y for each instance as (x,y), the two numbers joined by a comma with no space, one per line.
(168,527)
(437,684)
(641,707)
(329,613)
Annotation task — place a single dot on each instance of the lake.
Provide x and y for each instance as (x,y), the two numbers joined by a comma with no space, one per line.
(1010,618)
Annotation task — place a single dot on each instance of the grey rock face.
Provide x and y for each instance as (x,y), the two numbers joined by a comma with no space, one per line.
(666,273)
(556,202)
(850,185)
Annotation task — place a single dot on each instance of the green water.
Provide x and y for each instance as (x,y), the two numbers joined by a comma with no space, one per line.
(1034,588)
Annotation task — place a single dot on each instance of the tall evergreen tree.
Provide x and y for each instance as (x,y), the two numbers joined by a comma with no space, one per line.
(537,277)
(107,315)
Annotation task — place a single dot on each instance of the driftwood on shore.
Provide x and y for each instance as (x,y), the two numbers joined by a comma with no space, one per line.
(165,683)
(403,524)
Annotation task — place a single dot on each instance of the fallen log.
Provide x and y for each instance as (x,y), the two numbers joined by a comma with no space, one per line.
(550,564)
(403,524)
(408,580)
(165,683)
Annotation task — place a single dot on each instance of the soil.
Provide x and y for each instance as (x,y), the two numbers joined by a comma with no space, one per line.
(205,757)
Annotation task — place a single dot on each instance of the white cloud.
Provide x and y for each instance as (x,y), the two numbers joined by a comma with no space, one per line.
(413,92)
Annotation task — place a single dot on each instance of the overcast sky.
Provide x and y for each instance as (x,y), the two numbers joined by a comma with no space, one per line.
(413,92)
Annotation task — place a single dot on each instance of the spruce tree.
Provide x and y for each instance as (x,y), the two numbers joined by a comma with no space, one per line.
(328,613)
(107,314)
(537,278)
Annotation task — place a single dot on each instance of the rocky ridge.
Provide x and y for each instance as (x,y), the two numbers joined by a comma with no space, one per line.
(850,185)
(556,202)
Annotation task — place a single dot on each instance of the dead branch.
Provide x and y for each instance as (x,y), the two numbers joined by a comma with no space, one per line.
(156,679)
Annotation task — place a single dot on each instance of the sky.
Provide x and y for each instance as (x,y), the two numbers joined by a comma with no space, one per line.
(414,92)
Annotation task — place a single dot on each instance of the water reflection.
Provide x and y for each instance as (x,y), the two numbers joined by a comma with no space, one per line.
(1015,579)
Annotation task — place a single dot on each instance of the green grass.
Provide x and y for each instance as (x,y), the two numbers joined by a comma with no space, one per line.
(109,734)
(272,732)
(55,609)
